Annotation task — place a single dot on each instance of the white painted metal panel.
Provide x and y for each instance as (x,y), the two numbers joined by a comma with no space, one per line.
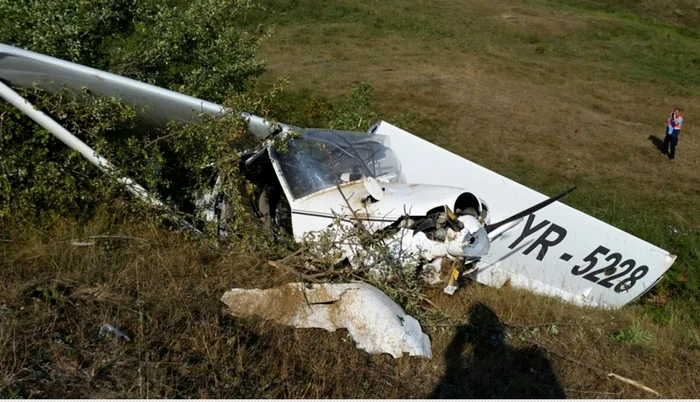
(545,252)
(157,106)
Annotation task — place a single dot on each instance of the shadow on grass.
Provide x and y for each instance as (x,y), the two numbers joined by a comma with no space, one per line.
(495,369)
(657,142)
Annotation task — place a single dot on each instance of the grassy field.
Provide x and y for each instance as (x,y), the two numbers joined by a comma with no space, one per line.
(550,94)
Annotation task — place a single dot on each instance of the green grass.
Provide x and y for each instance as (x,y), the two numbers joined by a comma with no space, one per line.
(608,73)
(638,46)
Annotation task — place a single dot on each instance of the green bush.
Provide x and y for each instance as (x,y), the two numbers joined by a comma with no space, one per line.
(197,49)
(80,31)
(635,335)
(40,178)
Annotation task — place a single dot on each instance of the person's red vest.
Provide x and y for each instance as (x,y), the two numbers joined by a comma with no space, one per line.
(676,123)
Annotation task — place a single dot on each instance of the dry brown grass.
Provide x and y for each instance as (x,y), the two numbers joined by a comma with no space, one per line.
(545,119)
(666,364)
(163,292)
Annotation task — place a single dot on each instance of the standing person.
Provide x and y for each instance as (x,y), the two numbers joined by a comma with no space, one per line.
(675,122)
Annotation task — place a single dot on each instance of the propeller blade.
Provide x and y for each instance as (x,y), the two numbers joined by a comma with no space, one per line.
(491,227)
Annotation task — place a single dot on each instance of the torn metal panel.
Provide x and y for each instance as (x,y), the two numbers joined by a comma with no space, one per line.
(376,323)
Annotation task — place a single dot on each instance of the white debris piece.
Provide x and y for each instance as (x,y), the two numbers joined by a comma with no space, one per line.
(375,322)
(111,329)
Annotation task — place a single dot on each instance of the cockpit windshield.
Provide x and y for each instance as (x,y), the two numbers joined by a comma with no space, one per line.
(321,159)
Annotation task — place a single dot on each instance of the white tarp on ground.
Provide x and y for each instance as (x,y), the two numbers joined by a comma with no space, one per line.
(376,323)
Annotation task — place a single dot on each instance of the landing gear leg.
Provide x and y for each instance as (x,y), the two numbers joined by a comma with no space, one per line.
(457,270)
(274,211)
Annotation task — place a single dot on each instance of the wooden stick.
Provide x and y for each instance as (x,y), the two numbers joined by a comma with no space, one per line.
(593,368)
(294,254)
(546,324)
(591,392)
(77,242)
(116,237)
(309,277)
(632,382)
(522,326)
(429,302)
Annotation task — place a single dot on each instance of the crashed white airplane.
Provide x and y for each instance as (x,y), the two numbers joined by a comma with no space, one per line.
(433,202)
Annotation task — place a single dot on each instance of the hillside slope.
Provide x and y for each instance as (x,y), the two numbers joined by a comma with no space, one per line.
(547,93)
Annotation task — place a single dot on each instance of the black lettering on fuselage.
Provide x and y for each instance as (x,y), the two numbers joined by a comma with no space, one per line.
(545,243)
(528,230)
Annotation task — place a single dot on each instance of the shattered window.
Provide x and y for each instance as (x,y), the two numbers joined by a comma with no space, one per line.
(322,159)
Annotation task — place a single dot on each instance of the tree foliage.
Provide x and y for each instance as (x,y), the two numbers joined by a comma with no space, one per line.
(80,31)
(40,178)
(195,48)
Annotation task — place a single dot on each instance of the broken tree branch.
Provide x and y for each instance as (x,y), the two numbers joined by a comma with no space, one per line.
(294,254)
(309,277)
(284,267)
(592,367)
(545,324)
(521,326)
(429,302)
(80,243)
(518,326)
(148,144)
(117,237)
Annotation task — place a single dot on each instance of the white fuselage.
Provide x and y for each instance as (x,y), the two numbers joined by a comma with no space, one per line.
(350,202)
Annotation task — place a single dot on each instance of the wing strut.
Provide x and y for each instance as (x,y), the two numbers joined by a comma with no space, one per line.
(88,153)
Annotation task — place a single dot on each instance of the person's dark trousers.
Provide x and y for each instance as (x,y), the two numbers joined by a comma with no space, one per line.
(671,140)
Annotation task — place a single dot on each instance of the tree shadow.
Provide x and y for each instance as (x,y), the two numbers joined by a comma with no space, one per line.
(657,142)
(495,369)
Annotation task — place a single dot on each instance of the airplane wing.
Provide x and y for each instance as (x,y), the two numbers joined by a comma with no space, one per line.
(155,106)
(557,251)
